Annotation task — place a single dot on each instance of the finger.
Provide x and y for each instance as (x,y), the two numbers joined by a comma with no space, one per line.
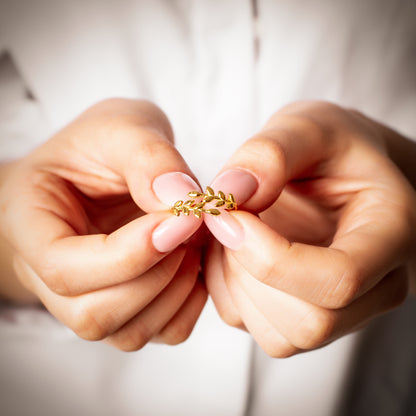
(267,335)
(95,315)
(45,218)
(217,288)
(152,319)
(329,277)
(74,264)
(299,219)
(291,145)
(179,328)
(120,144)
(307,326)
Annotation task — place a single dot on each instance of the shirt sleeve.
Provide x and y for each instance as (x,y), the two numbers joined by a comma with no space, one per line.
(22,124)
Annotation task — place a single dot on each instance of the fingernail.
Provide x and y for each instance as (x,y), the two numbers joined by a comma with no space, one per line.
(238,182)
(173,186)
(174,231)
(225,229)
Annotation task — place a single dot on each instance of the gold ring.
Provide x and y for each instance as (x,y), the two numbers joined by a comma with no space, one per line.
(198,200)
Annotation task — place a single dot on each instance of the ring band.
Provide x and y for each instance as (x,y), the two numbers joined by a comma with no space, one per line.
(198,201)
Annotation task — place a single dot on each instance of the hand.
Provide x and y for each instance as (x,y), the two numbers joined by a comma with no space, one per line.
(74,212)
(336,230)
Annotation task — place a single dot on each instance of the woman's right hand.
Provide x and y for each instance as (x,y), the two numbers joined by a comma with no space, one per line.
(86,216)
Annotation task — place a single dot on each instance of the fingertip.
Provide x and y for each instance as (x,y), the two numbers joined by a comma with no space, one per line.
(173,231)
(225,229)
(239,182)
(255,174)
(173,186)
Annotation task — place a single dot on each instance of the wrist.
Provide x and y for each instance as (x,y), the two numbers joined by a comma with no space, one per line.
(10,288)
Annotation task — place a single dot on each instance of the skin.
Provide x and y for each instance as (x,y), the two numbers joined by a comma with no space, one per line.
(329,233)
(335,239)
(74,219)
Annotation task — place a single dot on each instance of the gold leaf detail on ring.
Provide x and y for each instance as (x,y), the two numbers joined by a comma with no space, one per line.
(198,200)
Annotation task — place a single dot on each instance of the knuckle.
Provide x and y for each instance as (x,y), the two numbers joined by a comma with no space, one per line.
(309,106)
(345,285)
(313,119)
(124,264)
(163,272)
(133,338)
(54,277)
(265,146)
(176,333)
(85,323)
(315,329)
(268,272)
(229,314)
(275,345)
(231,318)
(130,346)
(279,350)
(154,146)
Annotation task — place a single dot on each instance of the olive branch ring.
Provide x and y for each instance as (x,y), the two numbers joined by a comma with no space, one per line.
(198,200)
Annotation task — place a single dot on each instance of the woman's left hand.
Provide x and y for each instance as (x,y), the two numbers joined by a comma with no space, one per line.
(335,233)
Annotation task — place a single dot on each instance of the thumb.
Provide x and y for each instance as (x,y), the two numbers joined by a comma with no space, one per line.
(139,148)
(142,153)
(115,147)
(288,147)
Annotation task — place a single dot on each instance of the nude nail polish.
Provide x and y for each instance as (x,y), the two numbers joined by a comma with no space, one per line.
(225,229)
(173,186)
(173,231)
(238,182)
(169,188)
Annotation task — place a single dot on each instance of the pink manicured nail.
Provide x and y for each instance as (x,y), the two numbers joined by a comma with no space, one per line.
(225,229)
(169,188)
(173,186)
(174,231)
(238,182)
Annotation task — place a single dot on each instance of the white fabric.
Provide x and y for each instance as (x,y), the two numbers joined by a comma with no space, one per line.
(197,60)
(47,370)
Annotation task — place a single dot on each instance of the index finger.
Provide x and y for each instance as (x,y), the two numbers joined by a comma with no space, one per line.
(44,214)
(72,264)
(361,254)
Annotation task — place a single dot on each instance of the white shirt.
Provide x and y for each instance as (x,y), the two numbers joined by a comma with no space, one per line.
(218,73)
